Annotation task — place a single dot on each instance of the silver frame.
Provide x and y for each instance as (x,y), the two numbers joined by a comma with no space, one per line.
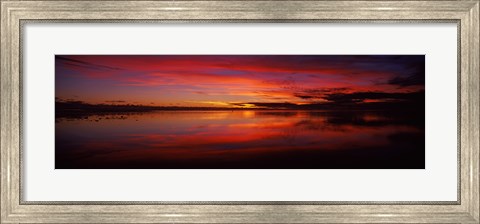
(14,14)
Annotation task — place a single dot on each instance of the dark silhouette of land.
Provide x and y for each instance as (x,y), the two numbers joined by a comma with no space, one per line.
(338,102)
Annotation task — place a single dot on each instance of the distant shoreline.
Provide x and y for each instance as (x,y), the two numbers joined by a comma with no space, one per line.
(80,110)
(79,106)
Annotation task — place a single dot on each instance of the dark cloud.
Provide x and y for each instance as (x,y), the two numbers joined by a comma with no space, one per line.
(361,96)
(412,80)
(336,100)
(116,101)
(317,93)
(285,105)
(83,64)
(304,96)
(416,76)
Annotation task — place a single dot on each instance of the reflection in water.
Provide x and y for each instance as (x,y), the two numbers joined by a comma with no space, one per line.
(242,139)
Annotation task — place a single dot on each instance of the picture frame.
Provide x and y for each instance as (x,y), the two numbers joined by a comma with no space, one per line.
(15,210)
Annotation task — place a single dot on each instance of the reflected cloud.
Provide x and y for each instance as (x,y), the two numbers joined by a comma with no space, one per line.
(235,139)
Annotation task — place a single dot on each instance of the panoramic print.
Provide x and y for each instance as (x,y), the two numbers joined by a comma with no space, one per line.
(239,112)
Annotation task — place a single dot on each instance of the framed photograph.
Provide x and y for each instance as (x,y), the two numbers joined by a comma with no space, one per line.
(240,112)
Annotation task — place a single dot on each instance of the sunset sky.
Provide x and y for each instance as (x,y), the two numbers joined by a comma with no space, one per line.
(247,81)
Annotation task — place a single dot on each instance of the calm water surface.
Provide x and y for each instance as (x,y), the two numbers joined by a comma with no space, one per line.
(241,139)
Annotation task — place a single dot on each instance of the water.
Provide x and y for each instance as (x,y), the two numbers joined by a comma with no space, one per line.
(242,139)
